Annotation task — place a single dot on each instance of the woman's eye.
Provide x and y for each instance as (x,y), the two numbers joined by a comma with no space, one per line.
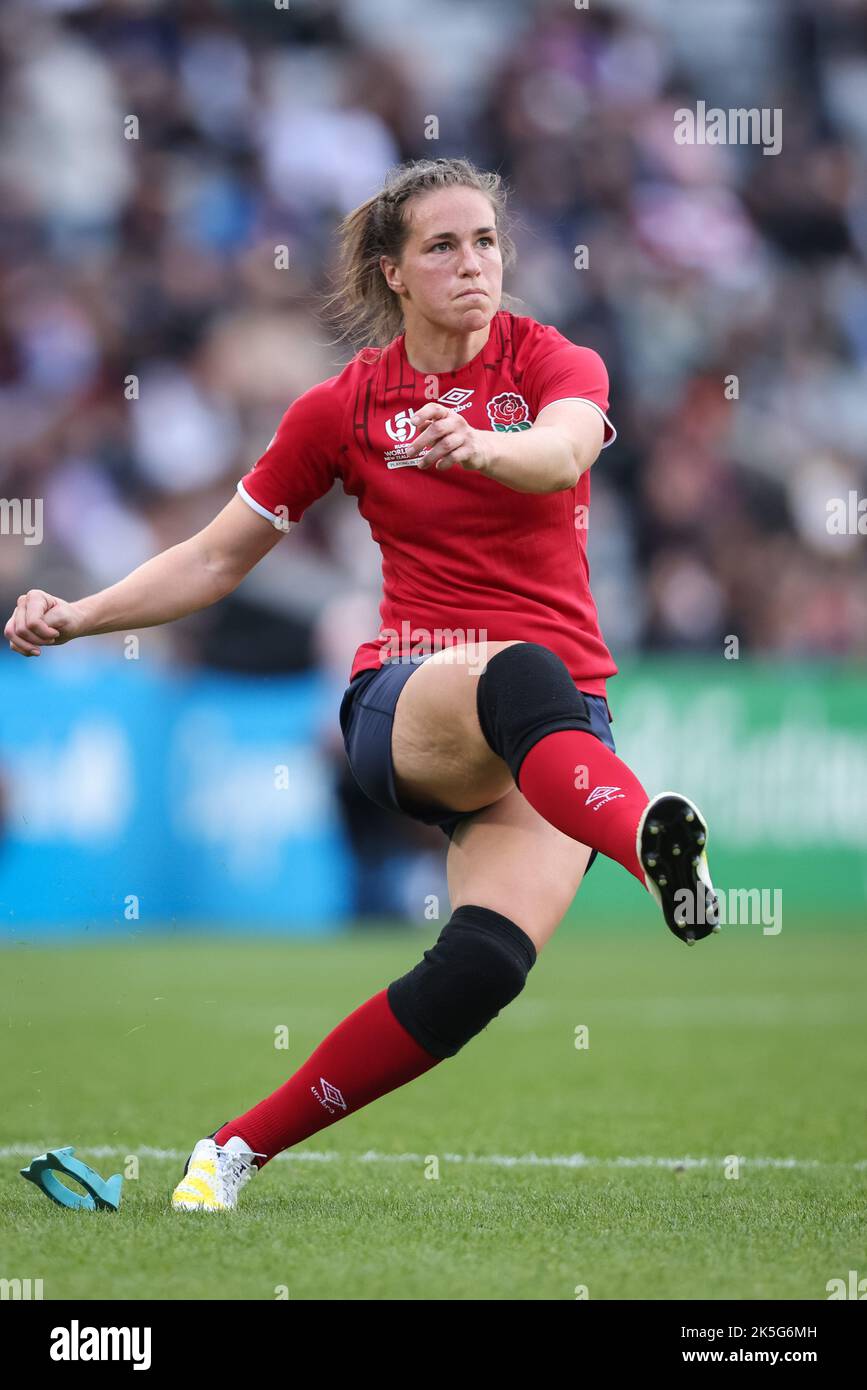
(438,244)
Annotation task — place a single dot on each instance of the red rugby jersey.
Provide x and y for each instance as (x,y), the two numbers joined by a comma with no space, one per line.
(463,557)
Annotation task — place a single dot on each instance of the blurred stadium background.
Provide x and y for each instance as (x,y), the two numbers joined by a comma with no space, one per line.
(197,783)
(200,780)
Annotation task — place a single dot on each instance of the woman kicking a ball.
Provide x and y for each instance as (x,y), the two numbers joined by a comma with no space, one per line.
(467,436)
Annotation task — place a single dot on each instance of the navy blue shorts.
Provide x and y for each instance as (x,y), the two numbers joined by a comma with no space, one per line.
(366,719)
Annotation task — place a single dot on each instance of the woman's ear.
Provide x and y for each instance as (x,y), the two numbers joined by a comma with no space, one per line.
(392,274)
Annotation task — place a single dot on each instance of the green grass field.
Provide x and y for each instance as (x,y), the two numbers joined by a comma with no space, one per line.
(744,1045)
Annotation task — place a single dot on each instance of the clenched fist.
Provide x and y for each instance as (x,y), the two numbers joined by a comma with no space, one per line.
(41,620)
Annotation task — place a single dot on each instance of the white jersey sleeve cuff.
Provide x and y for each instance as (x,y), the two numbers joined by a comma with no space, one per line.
(257,506)
(597,408)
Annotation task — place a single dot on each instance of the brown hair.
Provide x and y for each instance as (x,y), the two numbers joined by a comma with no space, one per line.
(362,306)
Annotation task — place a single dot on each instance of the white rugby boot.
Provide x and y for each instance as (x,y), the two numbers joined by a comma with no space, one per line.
(214,1176)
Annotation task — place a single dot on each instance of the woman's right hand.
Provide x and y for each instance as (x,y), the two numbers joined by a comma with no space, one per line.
(42,620)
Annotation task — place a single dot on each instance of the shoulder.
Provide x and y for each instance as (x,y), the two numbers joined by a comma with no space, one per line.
(320,413)
(535,343)
(323,395)
(322,407)
(336,391)
(550,367)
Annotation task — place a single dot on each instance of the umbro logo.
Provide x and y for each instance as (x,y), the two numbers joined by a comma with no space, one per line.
(330,1096)
(457,398)
(600,796)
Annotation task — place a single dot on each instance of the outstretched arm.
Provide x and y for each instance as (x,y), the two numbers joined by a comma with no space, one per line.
(192,575)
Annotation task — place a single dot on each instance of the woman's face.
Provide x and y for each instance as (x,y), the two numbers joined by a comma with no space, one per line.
(452,248)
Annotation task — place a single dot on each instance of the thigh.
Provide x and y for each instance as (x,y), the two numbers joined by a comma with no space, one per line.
(439,752)
(507,858)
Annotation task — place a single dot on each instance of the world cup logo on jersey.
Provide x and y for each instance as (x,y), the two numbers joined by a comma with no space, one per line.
(400,427)
(509,412)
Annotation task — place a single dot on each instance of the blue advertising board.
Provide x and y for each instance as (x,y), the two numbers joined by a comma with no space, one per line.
(143,799)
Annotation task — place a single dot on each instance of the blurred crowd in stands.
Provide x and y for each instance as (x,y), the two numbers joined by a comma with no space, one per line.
(726,288)
(155,155)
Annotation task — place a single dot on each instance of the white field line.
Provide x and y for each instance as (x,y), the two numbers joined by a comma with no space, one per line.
(531,1160)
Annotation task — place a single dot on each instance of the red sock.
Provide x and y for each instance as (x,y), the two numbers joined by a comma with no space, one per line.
(366,1056)
(579,785)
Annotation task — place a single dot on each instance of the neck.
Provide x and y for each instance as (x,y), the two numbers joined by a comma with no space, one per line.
(431,350)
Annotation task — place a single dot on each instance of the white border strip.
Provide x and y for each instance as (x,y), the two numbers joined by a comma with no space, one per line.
(531,1160)
(608,442)
(257,506)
